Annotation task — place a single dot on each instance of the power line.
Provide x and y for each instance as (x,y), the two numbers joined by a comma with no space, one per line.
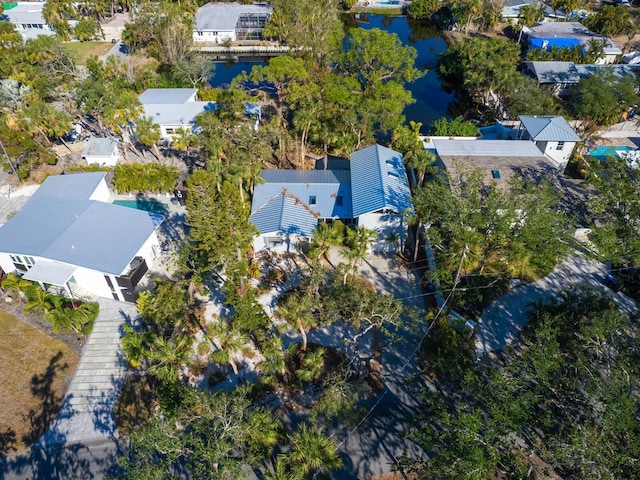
(409,357)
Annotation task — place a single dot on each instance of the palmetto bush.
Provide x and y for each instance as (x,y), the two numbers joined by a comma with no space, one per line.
(148,177)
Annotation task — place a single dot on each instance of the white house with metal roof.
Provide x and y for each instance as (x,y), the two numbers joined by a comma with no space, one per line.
(68,236)
(27,18)
(552,135)
(220,22)
(173,109)
(374,193)
(564,76)
(101,151)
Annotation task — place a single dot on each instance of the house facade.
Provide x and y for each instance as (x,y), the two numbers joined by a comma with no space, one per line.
(552,135)
(221,22)
(374,193)
(68,238)
(27,18)
(173,109)
(564,76)
(101,151)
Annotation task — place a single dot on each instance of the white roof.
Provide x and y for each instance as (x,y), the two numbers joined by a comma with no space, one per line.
(54,273)
(30,12)
(177,114)
(99,147)
(486,148)
(224,16)
(59,223)
(162,96)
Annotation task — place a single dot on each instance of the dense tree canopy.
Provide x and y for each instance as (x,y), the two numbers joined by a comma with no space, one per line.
(485,67)
(602,97)
(562,401)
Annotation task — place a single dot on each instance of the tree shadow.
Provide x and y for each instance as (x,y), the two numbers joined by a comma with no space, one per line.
(7,442)
(50,400)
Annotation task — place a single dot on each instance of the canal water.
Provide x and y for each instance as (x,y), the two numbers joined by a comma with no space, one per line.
(432,100)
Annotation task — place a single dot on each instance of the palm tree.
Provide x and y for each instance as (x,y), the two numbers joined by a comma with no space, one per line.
(38,301)
(323,238)
(282,470)
(14,284)
(312,366)
(297,310)
(148,134)
(358,242)
(136,346)
(230,343)
(312,452)
(168,356)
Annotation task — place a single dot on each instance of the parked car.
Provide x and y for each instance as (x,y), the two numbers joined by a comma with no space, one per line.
(612,282)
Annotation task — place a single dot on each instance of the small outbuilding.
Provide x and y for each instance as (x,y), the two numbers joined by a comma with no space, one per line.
(101,151)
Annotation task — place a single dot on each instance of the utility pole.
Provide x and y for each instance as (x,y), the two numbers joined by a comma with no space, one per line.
(13,169)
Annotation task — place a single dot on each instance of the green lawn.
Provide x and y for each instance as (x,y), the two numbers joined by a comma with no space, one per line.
(83,50)
(31,378)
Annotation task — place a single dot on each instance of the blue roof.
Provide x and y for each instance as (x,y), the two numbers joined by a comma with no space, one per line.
(329,189)
(549,128)
(56,225)
(379,181)
(284,213)
(554,42)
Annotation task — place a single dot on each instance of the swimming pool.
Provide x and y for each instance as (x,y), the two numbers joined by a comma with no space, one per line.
(604,151)
(146,205)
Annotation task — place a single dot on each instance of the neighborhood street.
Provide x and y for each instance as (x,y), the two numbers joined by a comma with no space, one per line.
(504,318)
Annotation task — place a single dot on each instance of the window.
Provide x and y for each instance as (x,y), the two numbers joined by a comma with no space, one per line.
(560,146)
(495,174)
(170,131)
(312,200)
(200,34)
(339,200)
(393,174)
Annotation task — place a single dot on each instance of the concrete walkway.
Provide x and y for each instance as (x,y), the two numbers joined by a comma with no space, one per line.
(501,322)
(87,412)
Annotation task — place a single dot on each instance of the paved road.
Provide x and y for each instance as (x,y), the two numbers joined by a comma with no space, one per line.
(503,319)
(118,50)
(79,461)
(377,443)
(81,440)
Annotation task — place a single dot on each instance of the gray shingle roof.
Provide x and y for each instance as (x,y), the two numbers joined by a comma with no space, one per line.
(379,181)
(284,213)
(99,147)
(549,129)
(224,16)
(57,225)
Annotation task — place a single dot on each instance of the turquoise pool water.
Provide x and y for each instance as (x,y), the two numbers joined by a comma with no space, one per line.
(602,152)
(146,205)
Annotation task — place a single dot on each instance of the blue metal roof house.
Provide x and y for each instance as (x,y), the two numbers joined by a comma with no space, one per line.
(546,35)
(67,237)
(374,193)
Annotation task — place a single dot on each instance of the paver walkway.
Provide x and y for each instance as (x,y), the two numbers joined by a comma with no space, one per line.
(503,319)
(87,410)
